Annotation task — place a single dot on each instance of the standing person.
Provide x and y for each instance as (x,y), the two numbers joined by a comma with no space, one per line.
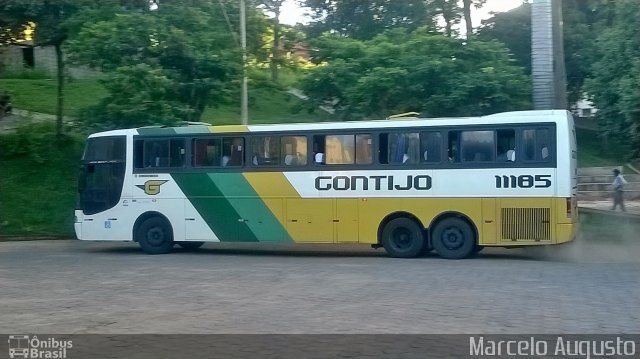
(618,190)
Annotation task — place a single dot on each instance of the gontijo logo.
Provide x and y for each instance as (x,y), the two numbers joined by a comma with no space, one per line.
(33,348)
(151,187)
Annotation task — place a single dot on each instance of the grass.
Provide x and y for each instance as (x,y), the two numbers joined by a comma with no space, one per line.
(265,105)
(40,95)
(38,182)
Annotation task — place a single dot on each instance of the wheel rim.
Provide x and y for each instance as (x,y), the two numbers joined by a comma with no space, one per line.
(452,238)
(401,239)
(155,236)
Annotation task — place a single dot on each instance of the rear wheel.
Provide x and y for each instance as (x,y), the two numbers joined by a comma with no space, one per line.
(155,236)
(190,246)
(453,238)
(402,238)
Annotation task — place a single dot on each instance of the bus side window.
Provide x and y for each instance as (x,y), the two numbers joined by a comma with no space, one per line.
(177,153)
(536,144)
(542,139)
(453,144)
(477,146)
(265,150)
(340,149)
(138,154)
(156,153)
(206,152)
(293,150)
(318,155)
(400,148)
(430,147)
(232,151)
(364,149)
(506,145)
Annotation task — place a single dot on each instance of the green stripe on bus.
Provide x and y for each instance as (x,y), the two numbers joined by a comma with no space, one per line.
(213,206)
(231,208)
(248,204)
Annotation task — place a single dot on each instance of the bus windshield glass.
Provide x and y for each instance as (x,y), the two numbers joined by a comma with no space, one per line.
(102,173)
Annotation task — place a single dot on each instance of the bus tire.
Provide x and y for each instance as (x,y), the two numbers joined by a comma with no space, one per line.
(453,238)
(155,236)
(403,238)
(190,246)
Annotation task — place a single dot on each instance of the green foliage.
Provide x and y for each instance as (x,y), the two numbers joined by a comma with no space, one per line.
(266,105)
(615,78)
(401,71)
(583,20)
(512,28)
(39,174)
(364,20)
(189,56)
(138,95)
(590,150)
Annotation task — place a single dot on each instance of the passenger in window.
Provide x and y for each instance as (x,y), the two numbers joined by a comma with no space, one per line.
(156,155)
(545,152)
(289,160)
(236,153)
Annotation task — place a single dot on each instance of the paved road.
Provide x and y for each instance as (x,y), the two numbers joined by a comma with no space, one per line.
(83,287)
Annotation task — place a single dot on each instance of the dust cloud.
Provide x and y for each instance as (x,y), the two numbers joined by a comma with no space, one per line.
(600,238)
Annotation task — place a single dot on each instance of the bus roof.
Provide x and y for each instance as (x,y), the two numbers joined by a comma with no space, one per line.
(398,122)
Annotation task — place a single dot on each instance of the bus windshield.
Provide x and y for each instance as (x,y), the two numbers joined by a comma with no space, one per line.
(101,174)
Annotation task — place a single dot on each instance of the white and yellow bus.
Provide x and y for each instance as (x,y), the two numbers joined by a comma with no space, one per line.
(410,185)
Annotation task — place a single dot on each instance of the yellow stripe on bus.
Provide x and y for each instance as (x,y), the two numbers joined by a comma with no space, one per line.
(228,128)
(275,191)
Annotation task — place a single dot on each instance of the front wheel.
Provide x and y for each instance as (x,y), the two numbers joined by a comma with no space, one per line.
(453,238)
(402,238)
(155,236)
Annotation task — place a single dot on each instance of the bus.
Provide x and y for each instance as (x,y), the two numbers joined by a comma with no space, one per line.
(409,185)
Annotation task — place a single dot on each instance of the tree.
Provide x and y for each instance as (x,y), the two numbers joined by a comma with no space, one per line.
(400,71)
(365,19)
(450,12)
(55,22)
(466,10)
(185,51)
(50,30)
(613,83)
(583,21)
(274,6)
(512,28)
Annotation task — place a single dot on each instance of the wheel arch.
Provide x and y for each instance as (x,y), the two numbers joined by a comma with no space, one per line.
(146,215)
(454,214)
(399,214)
